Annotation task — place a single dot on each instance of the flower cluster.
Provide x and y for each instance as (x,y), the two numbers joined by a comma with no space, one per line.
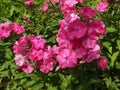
(78,40)
(31,51)
(7,27)
(68,5)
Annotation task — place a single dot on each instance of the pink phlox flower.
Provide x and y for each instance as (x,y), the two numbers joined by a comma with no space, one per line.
(98,27)
(70,3)
(27,68)
(92,54)
(5,30)
(48,53)
(28,2)
(22,46)
(80,52)
(45,7)
(67,20)
(67,10)
(66,58)
(87,12)
(63,39)
(79,49)
(20,60)
(38,42)
(35,54)
(63,36)
(102,6)
(23,64)
(17,28)
(76,29)
(47,65)
(90,42)
(102,63)
(55,49)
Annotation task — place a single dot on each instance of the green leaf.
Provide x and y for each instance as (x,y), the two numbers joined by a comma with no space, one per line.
(4,73)
(37,86)
(8,54)
(52,39)
(62,77)
(117,65)
(118,44)
(111,29)
(114,57)
(108,46)
(12,10)
(108,81)
(4,65)
(30,83)
(64,82)
(50,87)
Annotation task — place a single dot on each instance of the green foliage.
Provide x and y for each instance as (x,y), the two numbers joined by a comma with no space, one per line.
(83,77)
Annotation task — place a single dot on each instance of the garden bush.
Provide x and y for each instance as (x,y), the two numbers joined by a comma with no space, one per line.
(59,44)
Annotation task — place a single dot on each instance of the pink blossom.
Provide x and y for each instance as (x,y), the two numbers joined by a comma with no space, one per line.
(38,42)
(28,2)
(66,58)
(80,52)
(92,54)
(17,28)
(22,46)
(102,63)
(45,7)
(47,65)
(65,32)
(87,12)
(20,60)
(23,64)
(63,39)
(26,68)
(79,49)
(76,29)
(48,53)
(25,44)
(102,6)
(90,41)
(70,3)
(67,20)
(67,10)
(56,49)
(35,54)
(5,30)
(98,27)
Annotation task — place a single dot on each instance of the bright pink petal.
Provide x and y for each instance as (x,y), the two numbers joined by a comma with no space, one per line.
(102,63)
(17,28)
(102,6)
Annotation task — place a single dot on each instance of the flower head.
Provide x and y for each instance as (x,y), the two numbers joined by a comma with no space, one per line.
(102,6)
(5,30)
(17,28)
(66,58)
(102,63)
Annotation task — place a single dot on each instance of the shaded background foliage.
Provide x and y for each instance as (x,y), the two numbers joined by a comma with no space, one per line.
(83,77)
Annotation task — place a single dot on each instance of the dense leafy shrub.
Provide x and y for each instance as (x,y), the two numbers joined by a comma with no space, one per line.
(82,77)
